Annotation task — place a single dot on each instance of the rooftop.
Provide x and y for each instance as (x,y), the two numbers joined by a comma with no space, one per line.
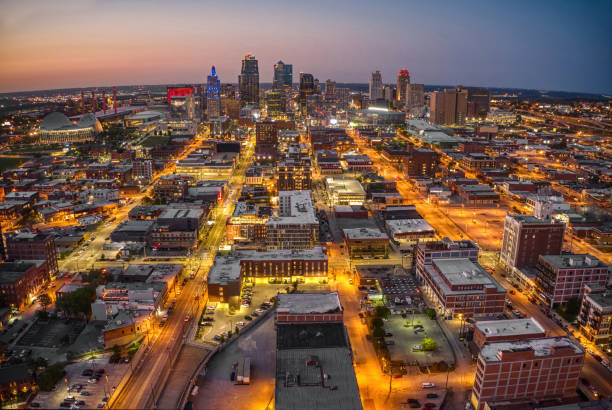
(573,261)
(398,226)
(602,300)
(321,378)
(344,186)
(302,303)
(541,347)
(509,327)
(365,233)
(462,271)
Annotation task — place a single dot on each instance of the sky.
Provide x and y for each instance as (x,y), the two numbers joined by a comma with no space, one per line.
(543,44)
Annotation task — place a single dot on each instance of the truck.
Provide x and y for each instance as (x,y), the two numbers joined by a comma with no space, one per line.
(243,371)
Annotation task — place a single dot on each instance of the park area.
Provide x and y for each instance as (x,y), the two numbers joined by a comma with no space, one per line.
(406,336)
(153,140)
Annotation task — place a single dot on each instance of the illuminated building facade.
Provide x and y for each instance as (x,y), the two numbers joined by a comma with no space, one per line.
(248,81)
(283,75)
(403,80)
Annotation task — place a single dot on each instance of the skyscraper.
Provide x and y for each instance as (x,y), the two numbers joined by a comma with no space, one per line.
(415,96)
(330,91)
(248,81)
(478,102)
(376,86)
(283,75)
(213,96)
(306,89)
(448,107)
(403,80)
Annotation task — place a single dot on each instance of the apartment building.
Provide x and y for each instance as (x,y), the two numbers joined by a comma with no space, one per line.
(296,226)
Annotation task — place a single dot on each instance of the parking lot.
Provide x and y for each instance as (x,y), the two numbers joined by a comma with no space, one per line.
(50,333)
(224,321)
(405,338)
(91,394)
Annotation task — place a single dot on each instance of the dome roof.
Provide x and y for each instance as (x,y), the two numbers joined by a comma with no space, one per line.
(89,120)
(55,121)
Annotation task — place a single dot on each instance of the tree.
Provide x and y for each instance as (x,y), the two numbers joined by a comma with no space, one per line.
(383,312)
(430,313)
(51,375)
(377,322)
(44,301)
(78,302)
(378,332)
(429,344)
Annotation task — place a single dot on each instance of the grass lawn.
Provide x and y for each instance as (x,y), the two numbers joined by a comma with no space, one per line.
(154,140)
(10,163)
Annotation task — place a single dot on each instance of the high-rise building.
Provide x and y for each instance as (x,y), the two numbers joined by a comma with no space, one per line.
(415,96)
(266,139)
(307,88)
(283,75)
(478,102)
(330,91)
(448,107)
(389,92)
(403,80)
(228,91)
(248,81)
(527,237)
(293,176)
(275,102)
(376,86)
(213,95)
(526,371)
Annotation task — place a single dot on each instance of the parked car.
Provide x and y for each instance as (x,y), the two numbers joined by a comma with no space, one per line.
(248,318)
(428,385)
(432,396)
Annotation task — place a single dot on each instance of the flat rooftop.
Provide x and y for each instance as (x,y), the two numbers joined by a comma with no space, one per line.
(602,300)
(344,186)
(462,271)
(541,346)
(510,327)
(399,226)
(573,261)
(364,233)
(303,386)
(304,303)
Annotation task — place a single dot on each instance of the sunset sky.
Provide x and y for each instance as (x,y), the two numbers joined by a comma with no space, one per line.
(547,45)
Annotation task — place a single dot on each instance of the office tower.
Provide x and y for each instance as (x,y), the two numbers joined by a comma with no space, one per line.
(317,86)
(275,102)
(294,176)
(228,91)
(376,86)
(283,75)
(330,91)
(389,92)
(527,237)
(526,371)
(448,107)
(213,95)
(306,89)
(231,108)
(248,81)
(266,139)
(478,102)
(403,80)
(415,96)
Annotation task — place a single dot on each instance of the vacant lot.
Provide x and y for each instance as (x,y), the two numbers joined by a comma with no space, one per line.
(10,162)
(405,338)
(154,140)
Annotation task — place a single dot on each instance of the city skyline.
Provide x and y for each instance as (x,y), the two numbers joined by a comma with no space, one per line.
(80,44)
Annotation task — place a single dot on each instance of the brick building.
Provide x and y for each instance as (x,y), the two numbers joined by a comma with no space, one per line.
(519,372)
(266,140)
(309,308)
(527,237)
(370,242)
(560,278)
(21,281)
(33,246)
(595,317)
(459,286)
(506,330)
